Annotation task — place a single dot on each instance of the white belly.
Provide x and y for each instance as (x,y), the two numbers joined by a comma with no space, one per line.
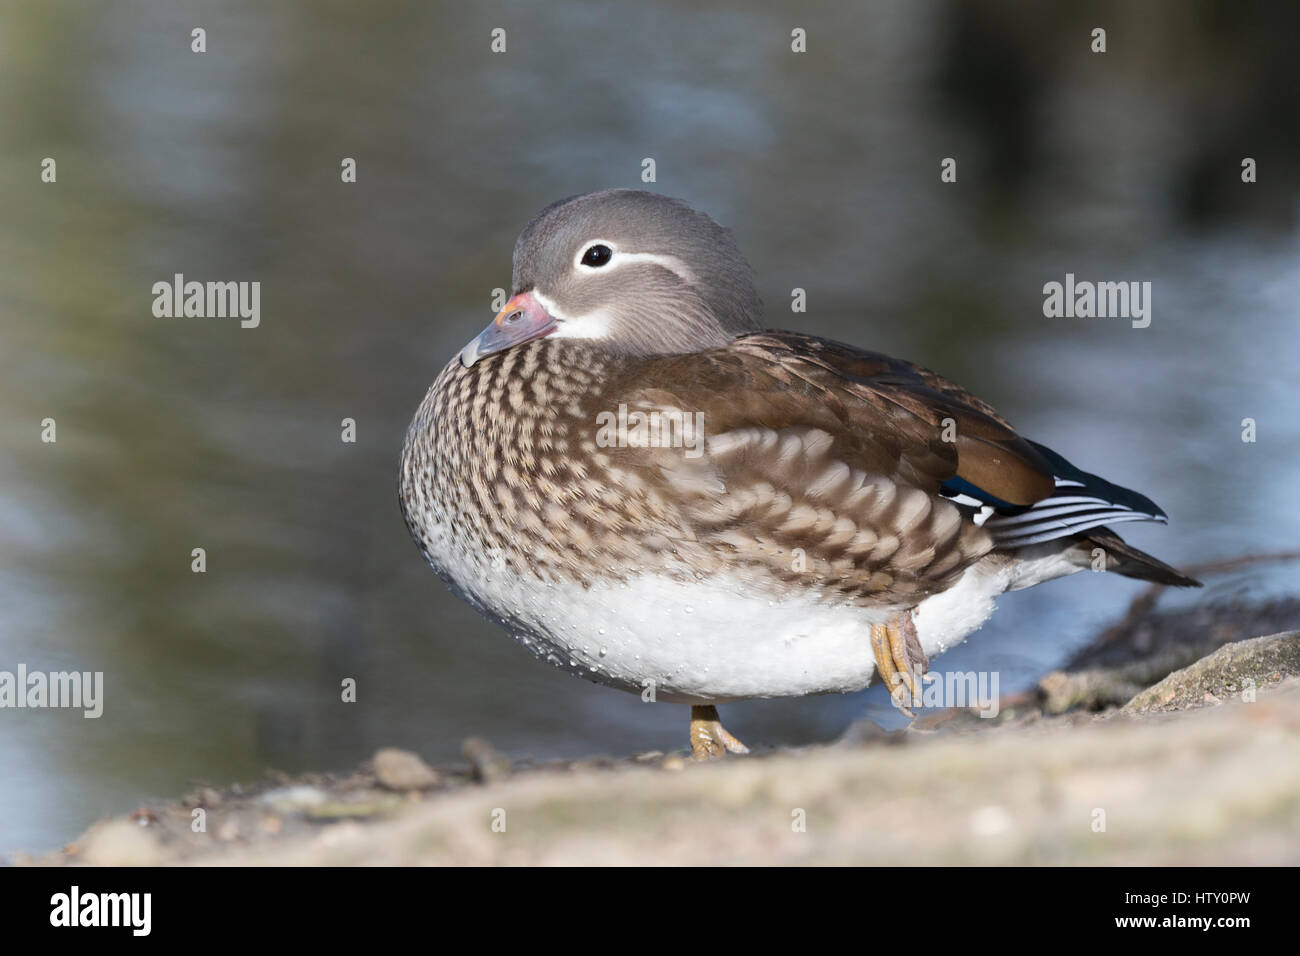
(716,639)
(947,619)
(707,641)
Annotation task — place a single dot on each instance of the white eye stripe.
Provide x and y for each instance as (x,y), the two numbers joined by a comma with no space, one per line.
(671,263)
(594,325)
(547,303)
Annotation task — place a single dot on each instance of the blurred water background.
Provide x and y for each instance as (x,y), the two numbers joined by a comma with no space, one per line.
(183,433)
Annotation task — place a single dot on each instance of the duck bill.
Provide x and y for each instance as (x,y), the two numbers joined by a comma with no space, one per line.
(522,320)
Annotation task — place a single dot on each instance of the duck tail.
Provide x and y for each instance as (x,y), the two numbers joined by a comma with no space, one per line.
(1127,560)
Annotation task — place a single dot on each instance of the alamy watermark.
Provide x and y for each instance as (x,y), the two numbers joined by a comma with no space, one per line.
(668,428)
(82,690)
(1102,300)
(208,300)
(974,689)
(129,910)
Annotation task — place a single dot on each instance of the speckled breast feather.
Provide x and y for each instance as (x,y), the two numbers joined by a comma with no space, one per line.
(815,477)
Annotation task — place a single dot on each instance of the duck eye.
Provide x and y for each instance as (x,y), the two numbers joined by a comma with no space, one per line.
(597,256)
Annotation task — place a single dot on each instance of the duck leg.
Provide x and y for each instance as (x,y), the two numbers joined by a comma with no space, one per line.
(709,738)
(899,659)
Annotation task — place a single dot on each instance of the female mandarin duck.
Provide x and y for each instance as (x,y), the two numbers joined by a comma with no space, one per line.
(823,514)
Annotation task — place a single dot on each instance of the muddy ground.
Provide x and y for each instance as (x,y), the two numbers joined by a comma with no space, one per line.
(1173,738)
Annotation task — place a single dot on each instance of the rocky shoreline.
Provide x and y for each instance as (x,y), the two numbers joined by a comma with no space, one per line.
(1174,738)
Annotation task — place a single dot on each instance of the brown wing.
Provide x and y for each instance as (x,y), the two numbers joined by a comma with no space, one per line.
(989,452)
(825,460)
